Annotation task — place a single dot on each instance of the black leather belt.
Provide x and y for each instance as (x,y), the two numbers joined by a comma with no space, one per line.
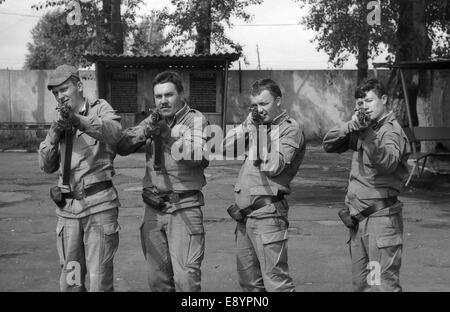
(377,206)
(176,197)
(91,190)
(261,202)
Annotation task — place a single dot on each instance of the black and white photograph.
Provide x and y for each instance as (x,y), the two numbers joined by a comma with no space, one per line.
(225,147)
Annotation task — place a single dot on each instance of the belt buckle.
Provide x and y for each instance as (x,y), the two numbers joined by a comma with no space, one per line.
(174,197)
(78,192)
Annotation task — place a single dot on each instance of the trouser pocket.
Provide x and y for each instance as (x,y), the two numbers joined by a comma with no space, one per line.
(110,241)
(60,245)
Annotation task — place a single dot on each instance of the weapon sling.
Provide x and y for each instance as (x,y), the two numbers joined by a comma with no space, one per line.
(157,144)
(67,156)
(257,162)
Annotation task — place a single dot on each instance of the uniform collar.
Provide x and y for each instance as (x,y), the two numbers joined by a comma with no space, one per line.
(84,108)
(280,118)
(389,117)
(179,114)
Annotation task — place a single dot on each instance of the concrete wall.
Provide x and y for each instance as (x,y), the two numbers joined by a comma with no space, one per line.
(319,99)
(24,97)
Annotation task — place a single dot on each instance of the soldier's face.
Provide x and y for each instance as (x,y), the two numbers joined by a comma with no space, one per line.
(268,106)
(374,105)
(167,99)
(69,93)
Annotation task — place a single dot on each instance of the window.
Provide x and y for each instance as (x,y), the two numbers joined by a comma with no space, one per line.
(124,92)
(203,92)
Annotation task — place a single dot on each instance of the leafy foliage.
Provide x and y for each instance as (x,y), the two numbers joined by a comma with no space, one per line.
(340,25)
(68,43)
(194,21)
(55,42)
(148,37)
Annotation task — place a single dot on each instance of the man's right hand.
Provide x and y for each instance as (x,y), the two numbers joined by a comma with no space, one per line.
(354,125)
(55,131)
(249,123)
(151,129)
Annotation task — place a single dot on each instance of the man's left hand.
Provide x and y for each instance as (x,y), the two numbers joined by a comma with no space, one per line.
(72,120)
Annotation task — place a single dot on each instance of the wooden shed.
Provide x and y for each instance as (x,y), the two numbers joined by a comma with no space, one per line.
(126,82)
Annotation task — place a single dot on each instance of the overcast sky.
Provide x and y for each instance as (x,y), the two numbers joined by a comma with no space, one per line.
(285,46)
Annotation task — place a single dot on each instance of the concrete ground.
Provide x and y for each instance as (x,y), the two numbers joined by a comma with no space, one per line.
(318,256)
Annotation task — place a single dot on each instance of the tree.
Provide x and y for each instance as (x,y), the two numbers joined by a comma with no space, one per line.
(102,21)
(148,37)
(412,30)
(342,30)
(55,42)
(203,22)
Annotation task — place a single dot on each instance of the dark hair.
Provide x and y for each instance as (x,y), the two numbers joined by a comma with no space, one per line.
(169,76)
(370,85)
(265,84)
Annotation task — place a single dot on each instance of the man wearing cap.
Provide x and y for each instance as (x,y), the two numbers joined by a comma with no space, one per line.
(81,143)
(378,173)
(172,232)
(261,209)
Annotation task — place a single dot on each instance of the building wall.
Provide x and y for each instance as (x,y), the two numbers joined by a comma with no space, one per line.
(319,99)
(24,97)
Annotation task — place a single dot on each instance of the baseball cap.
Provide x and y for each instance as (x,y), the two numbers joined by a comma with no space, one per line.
(61,74)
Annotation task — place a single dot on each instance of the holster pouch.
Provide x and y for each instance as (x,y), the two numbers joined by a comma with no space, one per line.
(152,199)
(235,213)
(57,196)
(347,219)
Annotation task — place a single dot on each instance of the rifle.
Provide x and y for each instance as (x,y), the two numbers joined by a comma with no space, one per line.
(257,118)
(64,110)
(363,117)
(155,117)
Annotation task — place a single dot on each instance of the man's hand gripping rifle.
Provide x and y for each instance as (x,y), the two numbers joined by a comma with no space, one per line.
(361,113)
(155,117)
(257,119)
(64,111)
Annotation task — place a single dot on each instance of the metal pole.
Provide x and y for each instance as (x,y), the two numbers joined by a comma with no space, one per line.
(224,104)
(405,93)
(257,52)
(10,96)
(375,72)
